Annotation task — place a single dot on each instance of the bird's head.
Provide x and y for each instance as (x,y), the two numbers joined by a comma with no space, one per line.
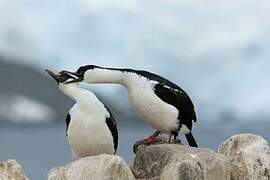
(84,73)
(62,77)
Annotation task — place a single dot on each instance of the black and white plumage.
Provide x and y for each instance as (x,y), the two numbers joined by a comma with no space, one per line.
(158,101)
(91,128)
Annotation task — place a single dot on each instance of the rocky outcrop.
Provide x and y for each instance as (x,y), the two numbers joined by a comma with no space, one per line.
(179,162)
(249,157)
(102,167)
(11,170)
(241,157)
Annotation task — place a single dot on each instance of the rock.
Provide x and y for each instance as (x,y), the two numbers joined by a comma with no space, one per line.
(249,157)
(11,170)
(179,162)
(102,167)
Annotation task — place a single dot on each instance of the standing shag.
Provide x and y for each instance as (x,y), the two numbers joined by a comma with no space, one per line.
(158,101)
(91,128)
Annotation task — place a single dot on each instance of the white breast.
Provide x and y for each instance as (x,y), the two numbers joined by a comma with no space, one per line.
(88,134)
(150,107)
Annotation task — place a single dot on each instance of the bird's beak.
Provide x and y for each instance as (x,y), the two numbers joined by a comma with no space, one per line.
(54,76)
(78,79)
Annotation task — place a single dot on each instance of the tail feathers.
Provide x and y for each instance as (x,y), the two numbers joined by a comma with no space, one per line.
(191,140)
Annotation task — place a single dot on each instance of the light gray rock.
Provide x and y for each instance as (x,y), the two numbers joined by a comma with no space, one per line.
(249,157)
(102,167)
(179,162)
(11,170)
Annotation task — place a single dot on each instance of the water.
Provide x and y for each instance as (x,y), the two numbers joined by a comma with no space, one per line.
(38,149)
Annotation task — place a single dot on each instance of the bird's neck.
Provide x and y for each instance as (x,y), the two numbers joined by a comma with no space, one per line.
(80,95)
(111,76)
(105,75)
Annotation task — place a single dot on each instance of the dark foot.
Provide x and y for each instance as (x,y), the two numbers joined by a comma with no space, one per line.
(174,141)
(177,141)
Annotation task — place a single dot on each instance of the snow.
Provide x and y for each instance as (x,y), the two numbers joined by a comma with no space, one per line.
(21,109)
(218,51)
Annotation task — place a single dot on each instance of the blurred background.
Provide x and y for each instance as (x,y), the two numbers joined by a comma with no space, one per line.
(218,51)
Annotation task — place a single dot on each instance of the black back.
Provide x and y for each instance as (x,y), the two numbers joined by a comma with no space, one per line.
(179,100)
(110,121)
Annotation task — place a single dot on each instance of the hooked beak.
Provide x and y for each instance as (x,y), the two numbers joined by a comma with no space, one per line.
(54,76)
(78,79)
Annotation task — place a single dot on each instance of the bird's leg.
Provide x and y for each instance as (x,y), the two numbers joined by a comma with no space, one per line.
(156,133)
(170,138)
(149,140)
(174,137)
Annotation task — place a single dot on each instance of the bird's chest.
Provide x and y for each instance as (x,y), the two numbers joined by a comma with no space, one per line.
(88,134)
(86,124)
(152,109)
(82,125)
